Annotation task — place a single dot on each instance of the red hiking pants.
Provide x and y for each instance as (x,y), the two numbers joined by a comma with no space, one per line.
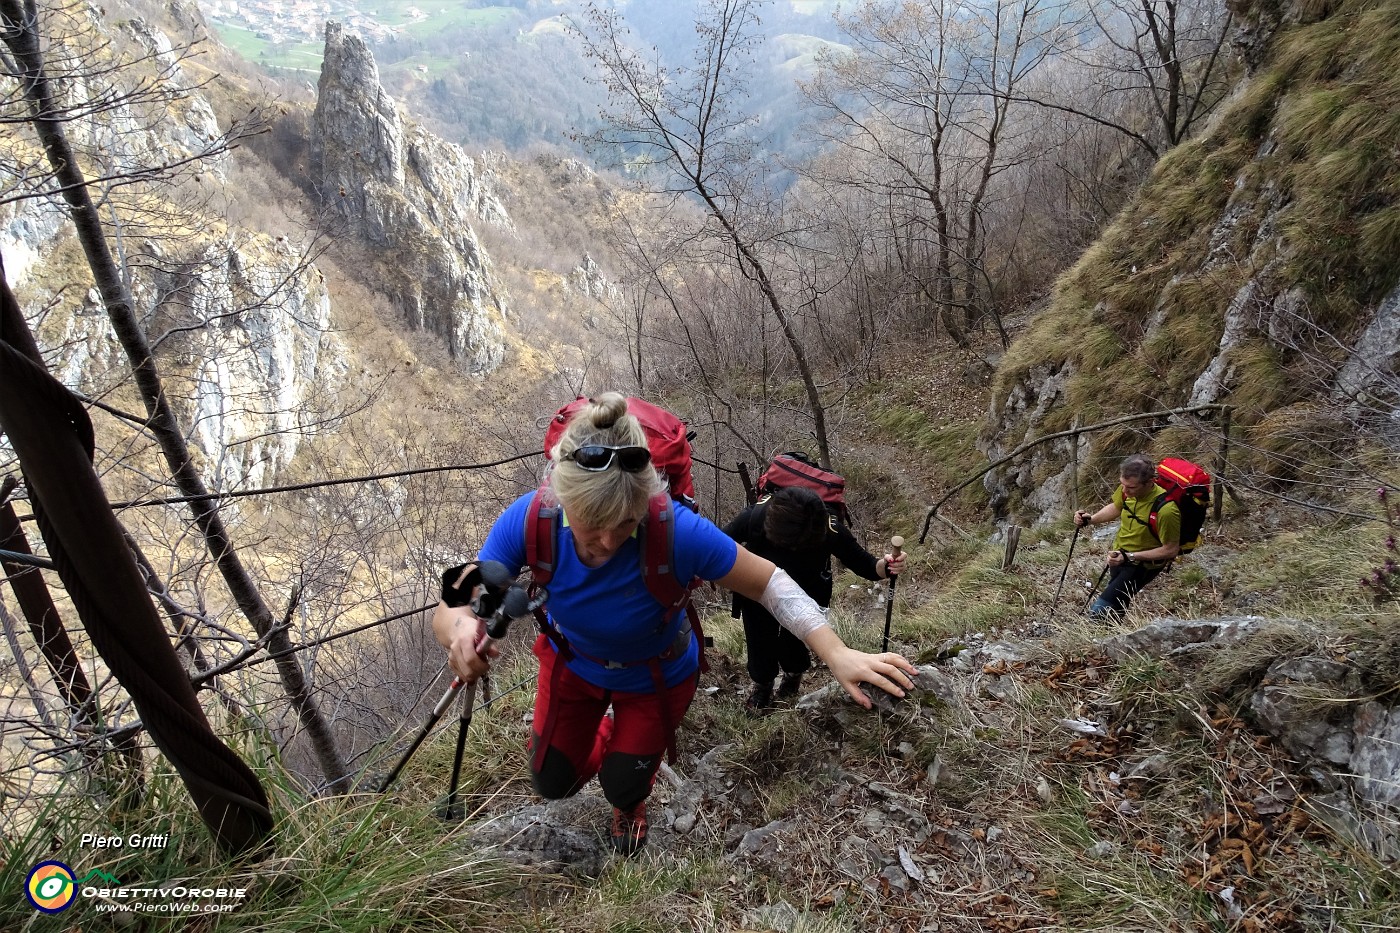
(623,751)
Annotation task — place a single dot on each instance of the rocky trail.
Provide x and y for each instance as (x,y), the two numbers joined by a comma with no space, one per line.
(1030,769)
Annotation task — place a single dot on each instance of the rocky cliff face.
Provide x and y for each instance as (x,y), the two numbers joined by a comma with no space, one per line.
(262,378)
(166,122)
(180,123)
(1257,268)
(240,323)
(242,332)
(411,196)
(27,230)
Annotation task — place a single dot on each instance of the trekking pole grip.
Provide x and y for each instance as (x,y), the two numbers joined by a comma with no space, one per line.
(896,546)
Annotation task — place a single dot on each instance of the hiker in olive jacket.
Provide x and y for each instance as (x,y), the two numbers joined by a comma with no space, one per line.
(1139,554)
(793,529)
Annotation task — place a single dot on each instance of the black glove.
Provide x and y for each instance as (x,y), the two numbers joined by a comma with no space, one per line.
(457,587)
(493,578)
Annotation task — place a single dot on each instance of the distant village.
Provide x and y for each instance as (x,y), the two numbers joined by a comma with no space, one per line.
(286,21)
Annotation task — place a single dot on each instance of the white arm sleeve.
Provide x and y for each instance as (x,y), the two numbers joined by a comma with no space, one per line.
(795,610)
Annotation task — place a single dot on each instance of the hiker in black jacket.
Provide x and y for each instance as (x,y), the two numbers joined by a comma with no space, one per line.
(794,530)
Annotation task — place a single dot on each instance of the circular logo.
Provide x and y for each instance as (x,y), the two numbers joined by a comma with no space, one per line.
(50,887)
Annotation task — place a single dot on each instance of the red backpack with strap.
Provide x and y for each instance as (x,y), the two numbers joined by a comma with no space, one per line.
(1188,485)
(669,443)
(667,438)
(797,469)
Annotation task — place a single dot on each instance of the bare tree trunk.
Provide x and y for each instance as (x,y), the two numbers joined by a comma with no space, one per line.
(49,633)
(20,32)
(947,298)
(26,673)
(754,269)
(44,623)
(699,147)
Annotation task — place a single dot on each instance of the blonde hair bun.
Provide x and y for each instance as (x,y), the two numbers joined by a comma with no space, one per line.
(606,410)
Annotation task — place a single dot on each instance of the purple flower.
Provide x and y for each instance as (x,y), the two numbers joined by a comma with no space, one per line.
(1380,493)
(1390,542)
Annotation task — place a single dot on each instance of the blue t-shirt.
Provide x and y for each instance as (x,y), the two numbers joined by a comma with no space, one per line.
(607,612)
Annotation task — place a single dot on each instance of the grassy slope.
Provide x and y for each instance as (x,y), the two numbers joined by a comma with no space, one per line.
(1312,134)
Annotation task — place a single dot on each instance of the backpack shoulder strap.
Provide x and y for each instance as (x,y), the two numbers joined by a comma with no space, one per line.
(658,541)
(658,532)
(1151,523)
(541,553)
(541,534)
(1157,504)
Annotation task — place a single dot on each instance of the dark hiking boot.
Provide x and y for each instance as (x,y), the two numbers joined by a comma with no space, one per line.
(629,829)
(789,686)
(760,702)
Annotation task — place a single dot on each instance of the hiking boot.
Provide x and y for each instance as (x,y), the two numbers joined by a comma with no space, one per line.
(788,686)
(629,829)
(760,702)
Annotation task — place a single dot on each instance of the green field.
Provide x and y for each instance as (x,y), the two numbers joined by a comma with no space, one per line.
(301,56)
(442,19)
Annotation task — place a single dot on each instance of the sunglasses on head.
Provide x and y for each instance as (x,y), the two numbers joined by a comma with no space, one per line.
(598,457)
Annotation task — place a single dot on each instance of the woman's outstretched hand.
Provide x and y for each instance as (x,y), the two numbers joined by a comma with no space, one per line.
(889,671)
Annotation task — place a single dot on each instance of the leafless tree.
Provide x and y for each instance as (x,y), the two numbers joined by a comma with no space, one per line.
(921,103)
(683,132)
(1166,60)
(36,41)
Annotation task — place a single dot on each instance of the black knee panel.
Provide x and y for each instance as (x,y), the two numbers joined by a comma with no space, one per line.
(556,777)
(626,779)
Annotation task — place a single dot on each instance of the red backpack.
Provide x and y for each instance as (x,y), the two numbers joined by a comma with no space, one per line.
(667,438)
(797,469)
(1188,485)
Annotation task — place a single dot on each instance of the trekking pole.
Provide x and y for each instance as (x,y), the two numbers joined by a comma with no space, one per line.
(433,718)
(517,603)
(1092,589)
(896,543)
(500,578)
(450,811)
(1072,542)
